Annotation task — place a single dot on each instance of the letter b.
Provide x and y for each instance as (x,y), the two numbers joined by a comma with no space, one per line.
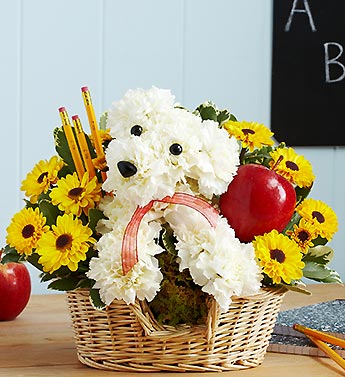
(329,61)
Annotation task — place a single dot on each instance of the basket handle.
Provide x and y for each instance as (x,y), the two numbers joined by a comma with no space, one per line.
(153,329)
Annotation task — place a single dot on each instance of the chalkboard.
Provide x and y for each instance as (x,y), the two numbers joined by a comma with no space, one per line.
(308,72)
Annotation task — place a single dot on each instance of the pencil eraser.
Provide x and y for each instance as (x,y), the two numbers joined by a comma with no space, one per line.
(84,89)
(61,109)
(74,117)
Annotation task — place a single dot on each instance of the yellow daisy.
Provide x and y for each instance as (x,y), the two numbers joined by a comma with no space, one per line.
(303,234)
(279,257)
(320,215)
(42,176)
(26,229)
(100,163)
(65,245)
(73,196)
(252,135)
(295,168)
(105,135)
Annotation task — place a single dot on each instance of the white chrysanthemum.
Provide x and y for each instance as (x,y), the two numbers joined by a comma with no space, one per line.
(142,281)
(208,158)
(219,159)
(218,261)
(204,162)
(139,106)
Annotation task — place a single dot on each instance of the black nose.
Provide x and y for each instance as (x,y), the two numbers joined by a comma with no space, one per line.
(126,168)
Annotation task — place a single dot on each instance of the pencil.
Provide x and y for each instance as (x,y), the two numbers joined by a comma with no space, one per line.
(93,124)
(319,335)
(78,163)
(83,146)
(328,351)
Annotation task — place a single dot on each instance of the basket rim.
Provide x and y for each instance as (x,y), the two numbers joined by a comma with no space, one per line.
(153,328)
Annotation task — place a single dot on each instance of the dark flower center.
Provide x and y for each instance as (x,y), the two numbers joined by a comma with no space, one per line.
(28,231)
(247,131)
(42,176)
(277,255)
(318,216)
(75,192)
(63,242)
(303,235)
(291,165)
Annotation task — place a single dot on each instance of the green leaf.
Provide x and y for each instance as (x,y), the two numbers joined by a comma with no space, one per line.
(294,220)
(320,241)
(207,110)
(103,121)
(94,216)
(85,283)
(49,211)
(33,259)
(65,284)
(334,277)
(302,193)
(46,277)
(28,204)
(223,116)
(296,288)
(258,156)
(319,254)
(96,300)
(168,240)
(62,149)
(320,273)
(10,254)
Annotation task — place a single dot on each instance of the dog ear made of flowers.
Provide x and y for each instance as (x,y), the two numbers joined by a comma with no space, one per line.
(159,149)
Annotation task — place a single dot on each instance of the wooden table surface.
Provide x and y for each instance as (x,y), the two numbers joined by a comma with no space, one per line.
(40,343)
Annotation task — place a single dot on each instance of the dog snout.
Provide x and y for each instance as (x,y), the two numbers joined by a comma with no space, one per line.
(126,168)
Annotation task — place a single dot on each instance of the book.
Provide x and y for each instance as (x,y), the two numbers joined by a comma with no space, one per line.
(325,316)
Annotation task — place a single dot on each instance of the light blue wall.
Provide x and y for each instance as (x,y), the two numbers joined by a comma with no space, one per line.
(218,50)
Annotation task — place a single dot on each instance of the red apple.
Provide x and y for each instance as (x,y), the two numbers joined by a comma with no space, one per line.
(257,201)
(15,289)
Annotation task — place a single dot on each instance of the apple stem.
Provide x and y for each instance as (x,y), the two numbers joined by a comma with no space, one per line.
(280,159)
(242,154)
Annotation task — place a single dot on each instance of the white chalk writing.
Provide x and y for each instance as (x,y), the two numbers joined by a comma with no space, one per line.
(305,10)
(334,60)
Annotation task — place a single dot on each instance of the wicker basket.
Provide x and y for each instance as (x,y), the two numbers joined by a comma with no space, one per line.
(127,338)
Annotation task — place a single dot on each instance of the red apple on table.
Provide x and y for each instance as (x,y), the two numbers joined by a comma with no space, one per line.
(15,289)
(257,201)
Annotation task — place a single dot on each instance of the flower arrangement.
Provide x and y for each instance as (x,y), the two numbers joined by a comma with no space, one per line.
(148,218)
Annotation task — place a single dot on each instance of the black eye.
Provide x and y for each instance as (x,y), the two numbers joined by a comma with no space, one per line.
(175,149)
(136,130)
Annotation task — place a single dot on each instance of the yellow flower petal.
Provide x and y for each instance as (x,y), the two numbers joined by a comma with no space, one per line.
(66,245)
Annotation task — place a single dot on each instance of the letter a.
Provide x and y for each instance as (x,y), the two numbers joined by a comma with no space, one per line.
(334,60)
(305,10)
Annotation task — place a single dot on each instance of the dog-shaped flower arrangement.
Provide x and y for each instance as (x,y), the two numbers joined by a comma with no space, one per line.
(166,167)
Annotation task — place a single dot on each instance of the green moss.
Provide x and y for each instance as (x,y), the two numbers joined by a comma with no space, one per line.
(179,300)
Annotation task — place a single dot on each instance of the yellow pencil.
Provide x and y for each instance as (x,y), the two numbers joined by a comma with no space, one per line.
(93,124)
(319,335)
(328,351)
(83,146)
(78,163)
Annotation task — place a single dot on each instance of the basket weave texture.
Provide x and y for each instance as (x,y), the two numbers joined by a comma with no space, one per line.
(127,338)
